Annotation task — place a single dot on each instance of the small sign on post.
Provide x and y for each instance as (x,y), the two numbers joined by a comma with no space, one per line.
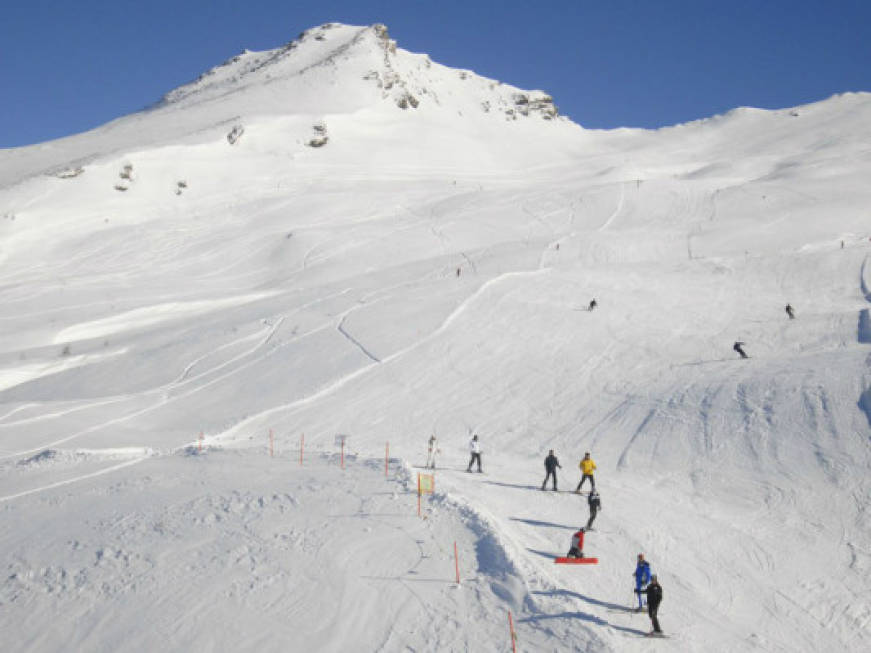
(425,485)
(341,440)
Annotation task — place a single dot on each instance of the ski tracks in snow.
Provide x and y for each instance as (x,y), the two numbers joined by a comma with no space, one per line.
(617,210)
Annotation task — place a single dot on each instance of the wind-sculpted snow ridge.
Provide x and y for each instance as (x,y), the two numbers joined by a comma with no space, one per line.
(277,554)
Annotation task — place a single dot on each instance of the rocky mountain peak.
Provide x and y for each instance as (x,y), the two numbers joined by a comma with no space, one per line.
(348,67)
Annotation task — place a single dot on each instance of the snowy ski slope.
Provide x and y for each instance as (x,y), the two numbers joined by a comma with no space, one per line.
(425,270)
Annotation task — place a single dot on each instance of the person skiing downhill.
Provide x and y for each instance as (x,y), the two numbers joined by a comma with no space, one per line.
(550,465)
(790,311)
(642,577)
(475,449)
(587,467)
(738,346)
(431,452)
(654,598)
(593,304)
(595,504)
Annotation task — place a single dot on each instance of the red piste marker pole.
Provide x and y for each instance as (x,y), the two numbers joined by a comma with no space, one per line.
(200,442)
(386,458)
(457,563)
(511,631)
(271,444)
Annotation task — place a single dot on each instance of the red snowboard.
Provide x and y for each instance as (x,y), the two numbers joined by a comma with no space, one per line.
(576,561)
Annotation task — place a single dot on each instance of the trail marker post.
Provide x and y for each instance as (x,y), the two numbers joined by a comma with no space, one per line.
(301,446)
(457,563)
(512,633)
(341,440)
(200,442)
(271,444)
(386,458)
(425,485)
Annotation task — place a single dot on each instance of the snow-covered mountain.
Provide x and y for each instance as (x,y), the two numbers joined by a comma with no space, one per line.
(354,76)
(342,237)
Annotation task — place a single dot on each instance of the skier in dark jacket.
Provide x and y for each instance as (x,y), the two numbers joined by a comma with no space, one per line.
(738,346)
(654,598)
(550,465)
(593,304)
(790,311)
(595,504)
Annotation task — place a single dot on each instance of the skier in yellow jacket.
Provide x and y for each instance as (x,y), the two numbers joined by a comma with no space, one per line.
(587,466)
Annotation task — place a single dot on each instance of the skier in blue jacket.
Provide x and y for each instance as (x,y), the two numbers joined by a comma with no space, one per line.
(642,577)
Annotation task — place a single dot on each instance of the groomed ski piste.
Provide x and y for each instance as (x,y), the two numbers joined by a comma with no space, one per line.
(342,237)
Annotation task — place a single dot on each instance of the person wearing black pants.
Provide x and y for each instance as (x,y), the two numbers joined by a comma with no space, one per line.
(595,505)
(550,465)
(475,450)
(654,598)
(587,468)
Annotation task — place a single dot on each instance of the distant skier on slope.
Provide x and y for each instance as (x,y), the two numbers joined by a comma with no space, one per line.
(587,467)
(642,577)
(593,304)
(475,449)
(550,465)
(431,452)
(739,347)
(595,504)
(654,598)
(790,311)
(577,548)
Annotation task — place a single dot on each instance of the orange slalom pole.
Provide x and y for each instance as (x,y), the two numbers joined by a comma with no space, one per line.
(457,563)
(513,634)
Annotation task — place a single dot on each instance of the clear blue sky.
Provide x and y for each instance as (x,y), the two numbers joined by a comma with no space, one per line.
(66,67)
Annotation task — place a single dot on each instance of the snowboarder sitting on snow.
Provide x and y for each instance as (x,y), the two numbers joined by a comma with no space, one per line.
(654,598)
(432,450)
(550,465)
(587,466)
(642,577)
(577,548)
(475,449)
(593,304)
(738,347)
(595,505)
(790,311)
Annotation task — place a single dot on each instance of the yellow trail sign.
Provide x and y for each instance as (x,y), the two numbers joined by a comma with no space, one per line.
(425,483)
